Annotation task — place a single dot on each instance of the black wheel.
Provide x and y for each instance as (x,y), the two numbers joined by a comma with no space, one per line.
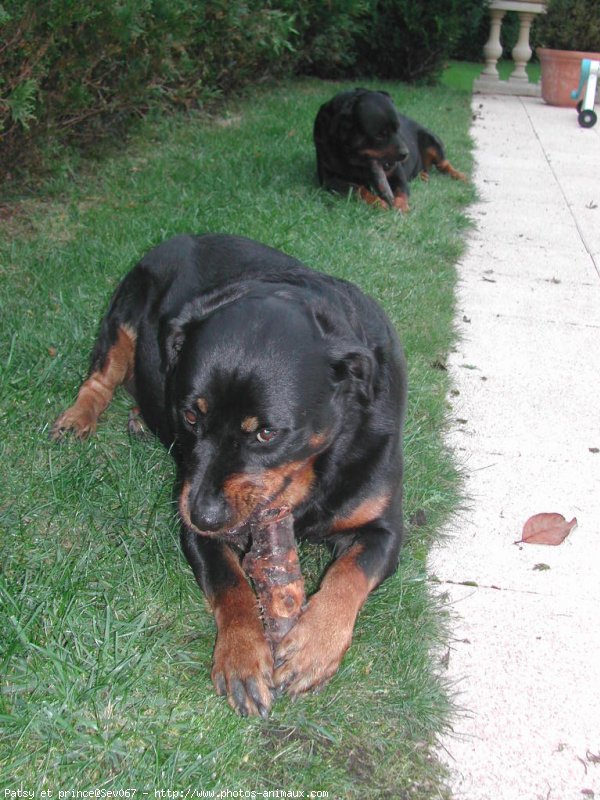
(579,105)
(587,118)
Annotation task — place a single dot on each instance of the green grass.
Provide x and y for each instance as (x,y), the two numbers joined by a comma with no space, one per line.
(461,74)
(105,640)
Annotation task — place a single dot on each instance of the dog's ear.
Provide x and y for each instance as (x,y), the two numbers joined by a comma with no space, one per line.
(201,307)
(173,342)
(173,333)
(327,324)
(355,369)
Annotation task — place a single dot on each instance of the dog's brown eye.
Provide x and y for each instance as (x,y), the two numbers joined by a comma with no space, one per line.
(190,416)
(266,435)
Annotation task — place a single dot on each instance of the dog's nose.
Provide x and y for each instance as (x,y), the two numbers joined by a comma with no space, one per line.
(210,514)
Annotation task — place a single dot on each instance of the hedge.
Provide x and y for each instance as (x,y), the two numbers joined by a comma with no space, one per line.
(72,71)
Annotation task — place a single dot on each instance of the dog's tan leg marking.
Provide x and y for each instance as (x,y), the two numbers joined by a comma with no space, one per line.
(97,391)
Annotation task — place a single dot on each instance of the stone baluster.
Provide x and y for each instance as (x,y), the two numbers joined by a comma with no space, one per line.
(492,49)
(489,82)
(521,52)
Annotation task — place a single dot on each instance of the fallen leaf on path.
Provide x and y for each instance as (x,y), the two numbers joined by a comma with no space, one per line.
(546,529)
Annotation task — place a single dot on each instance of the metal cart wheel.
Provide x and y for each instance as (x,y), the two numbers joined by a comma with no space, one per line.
(587,118)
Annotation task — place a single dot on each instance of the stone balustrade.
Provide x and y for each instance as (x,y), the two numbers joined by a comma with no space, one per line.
(489,82)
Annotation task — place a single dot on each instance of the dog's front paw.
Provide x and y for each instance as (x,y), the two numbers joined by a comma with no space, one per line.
(135,424)
(79,421)
(401,203)
(370,198)
(243,670)
(312,651)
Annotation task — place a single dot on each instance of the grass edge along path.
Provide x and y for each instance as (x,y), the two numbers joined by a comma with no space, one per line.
(105,641)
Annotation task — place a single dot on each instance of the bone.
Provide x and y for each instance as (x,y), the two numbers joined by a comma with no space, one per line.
(273,566)
(381,182)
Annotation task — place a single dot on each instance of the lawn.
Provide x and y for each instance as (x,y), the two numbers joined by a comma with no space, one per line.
(105,640)
(461,74)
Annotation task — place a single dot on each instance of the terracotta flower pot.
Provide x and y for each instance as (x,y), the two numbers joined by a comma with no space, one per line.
(560,74)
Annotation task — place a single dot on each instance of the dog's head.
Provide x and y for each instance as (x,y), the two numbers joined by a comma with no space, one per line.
(376,130)
(259,382)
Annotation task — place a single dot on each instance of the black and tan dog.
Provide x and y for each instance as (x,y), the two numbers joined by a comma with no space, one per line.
(273,385)
(364,143)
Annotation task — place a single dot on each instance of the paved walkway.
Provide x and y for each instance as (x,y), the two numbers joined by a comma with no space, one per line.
(525,654)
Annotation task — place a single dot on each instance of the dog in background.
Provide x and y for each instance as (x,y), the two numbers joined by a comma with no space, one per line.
(272,385)
(364,143)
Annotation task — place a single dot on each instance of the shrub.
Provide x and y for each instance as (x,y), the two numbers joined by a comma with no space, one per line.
(475,31)
(409,41)
(327,32)
(73,71)
(570,25)
(69,66)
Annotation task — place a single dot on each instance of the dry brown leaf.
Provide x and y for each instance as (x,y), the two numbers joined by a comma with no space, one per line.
(546,529)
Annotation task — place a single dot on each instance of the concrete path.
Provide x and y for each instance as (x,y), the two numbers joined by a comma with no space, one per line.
(525,653)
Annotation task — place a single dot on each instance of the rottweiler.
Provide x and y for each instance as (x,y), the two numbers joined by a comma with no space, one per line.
(364,143)
(272,385)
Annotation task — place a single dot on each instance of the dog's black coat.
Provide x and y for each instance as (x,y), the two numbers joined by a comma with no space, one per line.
(362,142)
(272,384)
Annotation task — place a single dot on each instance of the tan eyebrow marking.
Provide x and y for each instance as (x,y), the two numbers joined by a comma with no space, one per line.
(318,439)
(202,405)
(250,424)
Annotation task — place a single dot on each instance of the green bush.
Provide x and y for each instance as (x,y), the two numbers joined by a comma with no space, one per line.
(69,66)
(77,71)
(409,41)
(474,31)
(570,25)
(327,33)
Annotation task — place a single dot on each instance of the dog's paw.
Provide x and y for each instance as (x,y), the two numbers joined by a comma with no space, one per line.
(76,421)
(370,198)
(243,670)
(312,651)
(401,203)
(136,426)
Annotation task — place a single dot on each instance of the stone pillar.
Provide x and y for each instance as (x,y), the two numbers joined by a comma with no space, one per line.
(521,52)
(489,82)
(492,49)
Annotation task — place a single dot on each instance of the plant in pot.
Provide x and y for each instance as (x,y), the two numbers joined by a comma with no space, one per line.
(568,32)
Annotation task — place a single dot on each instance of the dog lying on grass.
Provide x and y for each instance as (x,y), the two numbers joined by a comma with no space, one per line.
(364,143)
(273,386)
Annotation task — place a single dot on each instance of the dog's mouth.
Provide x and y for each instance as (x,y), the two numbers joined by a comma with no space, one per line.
(238,533)
(241,535)
(388,159)
(254,499)
(241,531)
(389,162)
